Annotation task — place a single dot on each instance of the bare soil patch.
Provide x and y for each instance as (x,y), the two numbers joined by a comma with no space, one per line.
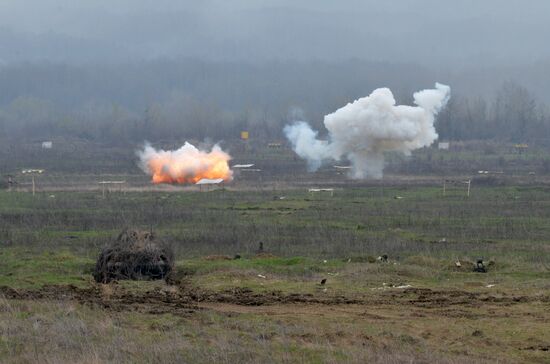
(178,299)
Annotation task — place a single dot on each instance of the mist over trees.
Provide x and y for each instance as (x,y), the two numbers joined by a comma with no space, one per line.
(178,99)
(131,70)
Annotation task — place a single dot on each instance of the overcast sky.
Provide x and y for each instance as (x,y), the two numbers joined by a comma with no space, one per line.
(445,32)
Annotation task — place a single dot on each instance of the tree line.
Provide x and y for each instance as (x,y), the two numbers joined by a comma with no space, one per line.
(174,100)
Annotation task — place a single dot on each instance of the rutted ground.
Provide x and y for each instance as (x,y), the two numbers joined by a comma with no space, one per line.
(448,324)
(174,298)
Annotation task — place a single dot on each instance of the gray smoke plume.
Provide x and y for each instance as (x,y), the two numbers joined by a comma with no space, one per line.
(362,131)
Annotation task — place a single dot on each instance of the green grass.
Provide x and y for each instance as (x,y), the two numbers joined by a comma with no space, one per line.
(27,268)
(23,268)
(56,240)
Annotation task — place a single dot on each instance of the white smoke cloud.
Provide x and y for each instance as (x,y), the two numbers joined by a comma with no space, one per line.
(362,131)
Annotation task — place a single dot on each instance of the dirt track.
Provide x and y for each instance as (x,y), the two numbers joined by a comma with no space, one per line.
(184,299)
(452,317)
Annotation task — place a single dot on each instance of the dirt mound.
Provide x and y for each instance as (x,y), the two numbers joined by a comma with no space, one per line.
(135,255)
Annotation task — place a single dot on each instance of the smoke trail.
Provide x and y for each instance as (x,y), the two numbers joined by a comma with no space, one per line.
(362,131)
(185,165)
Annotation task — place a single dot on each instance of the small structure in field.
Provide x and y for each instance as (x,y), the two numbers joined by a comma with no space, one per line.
(134,255)
(8,182)
(319,190)
(520,148)
(342,169)
(245,168)
(447,182)
(47,145)
(105,186)
(208,182)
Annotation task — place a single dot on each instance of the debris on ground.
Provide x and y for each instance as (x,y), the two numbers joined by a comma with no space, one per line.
(383,258)
(391,285)
(477,333)
(479,267)
(134,255)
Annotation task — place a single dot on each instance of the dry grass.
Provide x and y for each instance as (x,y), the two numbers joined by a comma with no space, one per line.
(63,332)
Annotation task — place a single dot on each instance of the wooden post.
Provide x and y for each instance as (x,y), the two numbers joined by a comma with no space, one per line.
(444,187)
(33,186)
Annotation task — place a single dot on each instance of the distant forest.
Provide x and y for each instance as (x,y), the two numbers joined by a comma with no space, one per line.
(181,99)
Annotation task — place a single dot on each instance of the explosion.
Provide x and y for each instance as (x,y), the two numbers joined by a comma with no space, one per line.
(365,129)
(188,164)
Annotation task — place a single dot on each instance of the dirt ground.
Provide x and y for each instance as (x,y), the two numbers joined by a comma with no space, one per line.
(175,298)
(452,318)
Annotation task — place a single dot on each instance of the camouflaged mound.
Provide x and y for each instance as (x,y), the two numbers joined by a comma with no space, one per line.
(135,255)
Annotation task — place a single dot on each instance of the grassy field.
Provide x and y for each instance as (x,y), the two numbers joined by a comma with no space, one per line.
(508,222)
(417,307)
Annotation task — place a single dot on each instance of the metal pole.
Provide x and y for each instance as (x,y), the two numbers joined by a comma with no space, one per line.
(33,186)
(469,183)
(444,187)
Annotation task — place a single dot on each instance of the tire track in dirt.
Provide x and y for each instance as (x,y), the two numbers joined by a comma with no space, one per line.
(187,299)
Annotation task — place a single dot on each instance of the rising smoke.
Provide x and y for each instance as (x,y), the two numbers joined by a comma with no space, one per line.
(362,131)
(187,164)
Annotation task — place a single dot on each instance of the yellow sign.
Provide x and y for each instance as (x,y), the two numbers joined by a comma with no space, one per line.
(244,135)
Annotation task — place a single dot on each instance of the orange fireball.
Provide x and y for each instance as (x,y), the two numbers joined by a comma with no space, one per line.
(185,165)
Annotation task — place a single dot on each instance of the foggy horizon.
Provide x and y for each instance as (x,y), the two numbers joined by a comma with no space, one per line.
(438,34)
(134,70)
